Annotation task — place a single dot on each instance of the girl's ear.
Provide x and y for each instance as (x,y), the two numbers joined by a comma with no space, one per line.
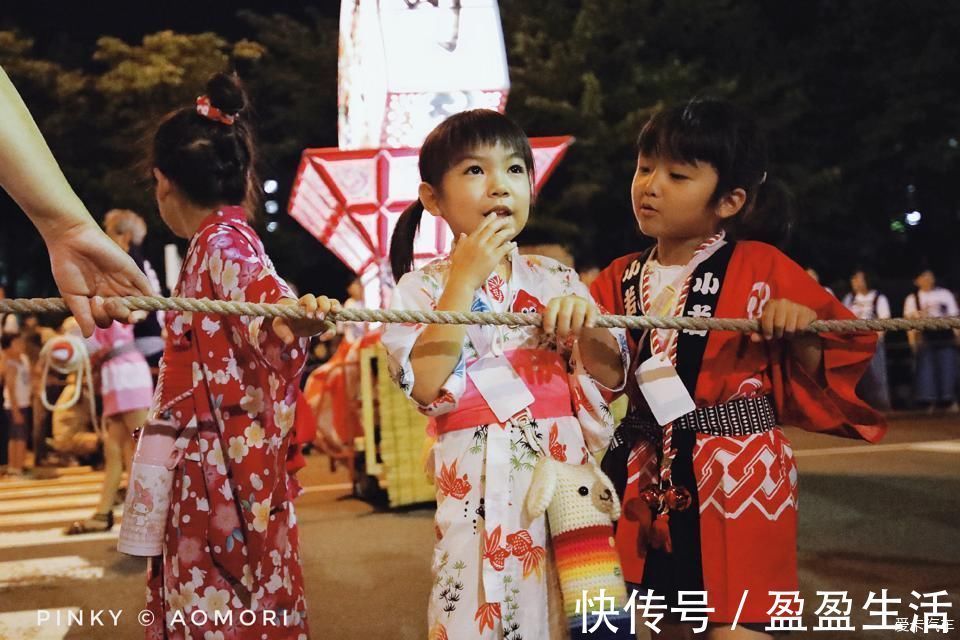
(428,198)
(731,203)
(163,183)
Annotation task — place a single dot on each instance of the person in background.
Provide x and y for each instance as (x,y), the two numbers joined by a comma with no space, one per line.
(129,230)
(9,323)
(127,391)
(935,350)
(816,276)
(126,387)
(870,304)
(354,331)
(16,401)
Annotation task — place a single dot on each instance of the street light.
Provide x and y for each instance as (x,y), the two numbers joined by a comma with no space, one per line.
(272,226)
(270,186)
(271,206)
(913,218)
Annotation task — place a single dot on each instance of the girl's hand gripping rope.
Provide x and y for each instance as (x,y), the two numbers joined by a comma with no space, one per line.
(569,315)
(783,318)
(316,310)
(786,319)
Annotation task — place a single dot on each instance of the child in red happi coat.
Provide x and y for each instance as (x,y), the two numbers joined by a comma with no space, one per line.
(707,476)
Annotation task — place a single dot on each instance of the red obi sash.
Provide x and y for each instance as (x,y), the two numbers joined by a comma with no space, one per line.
(545,374)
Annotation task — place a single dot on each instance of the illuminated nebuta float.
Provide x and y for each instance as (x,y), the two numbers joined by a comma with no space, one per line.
(404,66)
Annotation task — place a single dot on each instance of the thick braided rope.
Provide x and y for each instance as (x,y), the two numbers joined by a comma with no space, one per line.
(222,307)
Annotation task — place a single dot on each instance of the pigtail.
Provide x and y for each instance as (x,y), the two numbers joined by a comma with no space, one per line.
(401,244)
(769,217)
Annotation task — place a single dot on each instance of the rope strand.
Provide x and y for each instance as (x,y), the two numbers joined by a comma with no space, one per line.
(223,307)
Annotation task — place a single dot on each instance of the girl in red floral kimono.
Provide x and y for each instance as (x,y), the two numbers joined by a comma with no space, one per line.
(231,562)
(707,476)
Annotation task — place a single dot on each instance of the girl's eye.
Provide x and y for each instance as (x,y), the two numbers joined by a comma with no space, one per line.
(517,168)
(642,170)
(679,176)
(474,170)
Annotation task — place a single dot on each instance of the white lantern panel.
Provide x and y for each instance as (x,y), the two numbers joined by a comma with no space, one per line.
(403,177)
(455,45)
(356,179)
(406,65)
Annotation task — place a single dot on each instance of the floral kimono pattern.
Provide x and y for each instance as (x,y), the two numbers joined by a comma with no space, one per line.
(231,543)
(492,575)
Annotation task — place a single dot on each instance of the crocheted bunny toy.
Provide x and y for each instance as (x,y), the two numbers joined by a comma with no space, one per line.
(581,505)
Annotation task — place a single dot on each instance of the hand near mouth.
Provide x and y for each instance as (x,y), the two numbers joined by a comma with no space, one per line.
(478,254)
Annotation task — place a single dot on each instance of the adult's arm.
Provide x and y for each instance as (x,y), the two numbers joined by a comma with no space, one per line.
(86,264)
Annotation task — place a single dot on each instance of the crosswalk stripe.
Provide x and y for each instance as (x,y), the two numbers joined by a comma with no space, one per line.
(23,624)
(935,446)
(950,446)
(39,570)
(48,517)
(40,492)
(49,537)
(50,503)
(92,477)
(321,488)
(54,536)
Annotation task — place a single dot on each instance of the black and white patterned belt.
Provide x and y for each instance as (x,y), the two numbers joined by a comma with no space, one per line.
(741,417)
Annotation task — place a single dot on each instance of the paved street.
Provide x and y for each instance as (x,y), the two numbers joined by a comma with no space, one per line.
(872,518)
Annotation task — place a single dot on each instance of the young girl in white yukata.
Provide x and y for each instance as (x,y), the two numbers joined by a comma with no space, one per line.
(499,397)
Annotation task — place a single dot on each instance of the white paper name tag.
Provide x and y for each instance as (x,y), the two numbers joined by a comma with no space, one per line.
(502,389)
(663,389)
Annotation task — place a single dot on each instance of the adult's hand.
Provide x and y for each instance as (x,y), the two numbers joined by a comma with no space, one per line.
(85,261)
(87,266)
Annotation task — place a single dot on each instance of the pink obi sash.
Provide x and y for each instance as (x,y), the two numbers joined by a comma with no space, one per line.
(545,374)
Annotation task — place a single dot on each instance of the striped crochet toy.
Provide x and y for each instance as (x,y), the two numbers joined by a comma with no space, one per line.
(581,505)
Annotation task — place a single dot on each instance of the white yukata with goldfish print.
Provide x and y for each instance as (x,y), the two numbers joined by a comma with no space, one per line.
(492,575)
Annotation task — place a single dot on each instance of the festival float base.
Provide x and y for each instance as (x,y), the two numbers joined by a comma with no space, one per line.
(390,455)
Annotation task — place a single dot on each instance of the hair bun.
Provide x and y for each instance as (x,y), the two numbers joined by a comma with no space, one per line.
(226,93)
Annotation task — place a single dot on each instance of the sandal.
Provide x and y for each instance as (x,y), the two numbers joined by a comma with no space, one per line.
(99,523)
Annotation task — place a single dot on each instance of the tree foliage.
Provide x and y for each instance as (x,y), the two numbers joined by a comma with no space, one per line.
(855,97)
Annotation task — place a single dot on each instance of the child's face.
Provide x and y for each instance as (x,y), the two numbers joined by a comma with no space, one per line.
(671,199)
(121,237)
(15,350)
(355,290)
(858,282)
(490,180)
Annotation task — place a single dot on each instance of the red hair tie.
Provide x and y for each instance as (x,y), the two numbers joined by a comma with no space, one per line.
(210,112)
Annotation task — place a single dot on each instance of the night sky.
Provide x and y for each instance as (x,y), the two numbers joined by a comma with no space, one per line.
(67,31)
